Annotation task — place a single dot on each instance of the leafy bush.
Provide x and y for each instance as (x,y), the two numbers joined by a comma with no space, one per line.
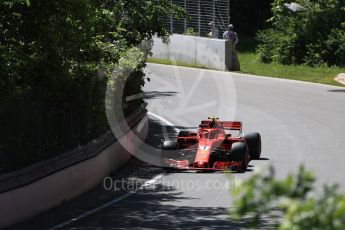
(336,45)
(55,60)
(313,34)
(277,47)
(293,199)
(190,32)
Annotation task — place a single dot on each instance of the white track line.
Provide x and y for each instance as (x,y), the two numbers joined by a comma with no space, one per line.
(164,120)
(106,205)
(134,97)
(120,198)
(164,129)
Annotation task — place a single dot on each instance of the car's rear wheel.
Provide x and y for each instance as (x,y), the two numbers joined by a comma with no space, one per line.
(239,152)
(254,144)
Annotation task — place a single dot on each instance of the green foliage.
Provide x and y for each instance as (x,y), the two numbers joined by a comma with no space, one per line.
(190,32)
(314,34)
(55,60)
(293,198)
(129,77)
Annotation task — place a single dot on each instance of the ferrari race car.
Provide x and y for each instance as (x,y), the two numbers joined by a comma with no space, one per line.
(215,147)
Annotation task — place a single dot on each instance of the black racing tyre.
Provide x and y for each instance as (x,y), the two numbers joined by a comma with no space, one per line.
(169,145)
(254,144)
(184,134)
(239,152)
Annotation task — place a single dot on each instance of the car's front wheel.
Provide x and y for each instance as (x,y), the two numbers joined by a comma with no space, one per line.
(239,152)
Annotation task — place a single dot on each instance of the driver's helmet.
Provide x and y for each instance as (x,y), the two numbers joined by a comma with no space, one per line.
(213,124)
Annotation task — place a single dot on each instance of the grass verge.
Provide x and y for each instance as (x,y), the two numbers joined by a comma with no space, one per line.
(251,65)
(325,75)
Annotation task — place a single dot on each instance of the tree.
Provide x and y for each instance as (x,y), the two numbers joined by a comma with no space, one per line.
(313,33)
(293,199)
(56,57)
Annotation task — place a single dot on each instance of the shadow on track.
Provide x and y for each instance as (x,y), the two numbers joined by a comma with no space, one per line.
(262,159)
(160,207)
(148,95)
(337,90)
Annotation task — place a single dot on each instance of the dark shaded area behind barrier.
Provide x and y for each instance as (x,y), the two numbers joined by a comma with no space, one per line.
(45,168)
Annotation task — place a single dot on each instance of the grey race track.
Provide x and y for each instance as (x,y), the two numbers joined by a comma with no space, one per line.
(300,123)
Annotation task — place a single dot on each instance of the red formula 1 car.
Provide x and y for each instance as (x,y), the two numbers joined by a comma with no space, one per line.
(214,147)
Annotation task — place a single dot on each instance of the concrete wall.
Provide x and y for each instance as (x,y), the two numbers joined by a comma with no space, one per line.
(206,52)
(28,201)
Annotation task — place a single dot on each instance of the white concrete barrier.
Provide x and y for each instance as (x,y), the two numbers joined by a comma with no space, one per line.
(26,202)
(206,52)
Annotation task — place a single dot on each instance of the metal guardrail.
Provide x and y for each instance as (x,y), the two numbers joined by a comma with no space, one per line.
(201,13)
(35,172)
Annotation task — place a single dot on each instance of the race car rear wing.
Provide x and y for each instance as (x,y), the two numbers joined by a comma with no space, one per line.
(232,125)
(229,125)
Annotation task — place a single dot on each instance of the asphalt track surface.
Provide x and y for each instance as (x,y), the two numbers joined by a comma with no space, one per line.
(300,123)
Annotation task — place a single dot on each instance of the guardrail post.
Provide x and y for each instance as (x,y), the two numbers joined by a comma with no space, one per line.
(199,18)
